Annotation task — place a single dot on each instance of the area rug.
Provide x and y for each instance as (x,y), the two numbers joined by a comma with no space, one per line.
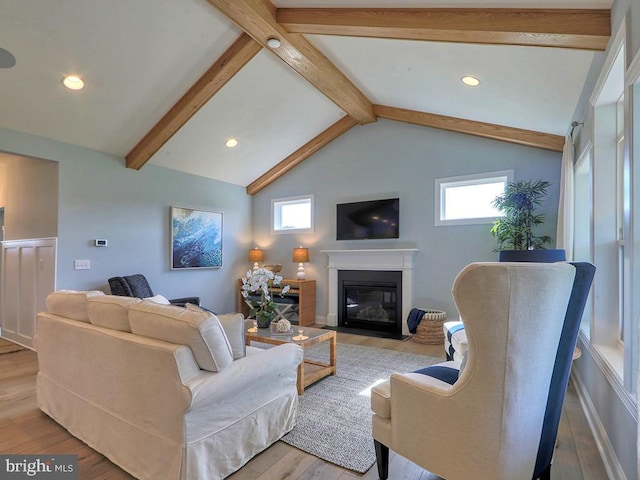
(334,416)
(9,347)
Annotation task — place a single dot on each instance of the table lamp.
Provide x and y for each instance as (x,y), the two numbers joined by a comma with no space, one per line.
(300,255)
(256,255)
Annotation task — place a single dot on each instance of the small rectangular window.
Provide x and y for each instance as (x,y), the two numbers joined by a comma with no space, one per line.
(292,214)
(468,199)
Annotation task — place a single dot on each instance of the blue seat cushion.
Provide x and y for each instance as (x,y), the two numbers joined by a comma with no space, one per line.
(441,372)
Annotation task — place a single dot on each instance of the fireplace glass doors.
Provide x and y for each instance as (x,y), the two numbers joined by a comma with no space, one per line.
(370,300)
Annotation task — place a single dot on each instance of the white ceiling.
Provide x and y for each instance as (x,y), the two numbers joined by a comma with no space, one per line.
(139,57)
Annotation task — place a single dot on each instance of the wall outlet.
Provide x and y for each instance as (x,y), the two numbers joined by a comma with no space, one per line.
(82,264)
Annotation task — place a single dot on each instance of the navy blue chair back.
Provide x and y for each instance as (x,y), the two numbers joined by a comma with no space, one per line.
(562,369)
(119,286)
(131,286)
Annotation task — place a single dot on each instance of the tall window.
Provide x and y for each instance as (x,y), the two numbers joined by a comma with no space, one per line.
(468,199)
(608,197)
(619,209)
(292,214)
(583,213)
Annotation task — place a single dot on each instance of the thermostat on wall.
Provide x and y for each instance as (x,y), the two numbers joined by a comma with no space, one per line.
(101,242)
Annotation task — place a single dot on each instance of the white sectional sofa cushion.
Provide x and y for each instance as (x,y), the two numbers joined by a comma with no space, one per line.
(71,303)
(111,311)
(201,331)
(233,326)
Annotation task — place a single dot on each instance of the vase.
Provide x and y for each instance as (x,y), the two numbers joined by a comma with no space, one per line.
(263,322)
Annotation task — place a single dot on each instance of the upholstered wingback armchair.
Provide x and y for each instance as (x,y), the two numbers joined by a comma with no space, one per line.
(487,420)
(137,286)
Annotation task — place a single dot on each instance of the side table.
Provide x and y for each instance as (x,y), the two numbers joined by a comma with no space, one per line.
(302,291)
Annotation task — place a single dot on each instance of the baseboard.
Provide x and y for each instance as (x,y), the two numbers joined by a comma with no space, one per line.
(607,453)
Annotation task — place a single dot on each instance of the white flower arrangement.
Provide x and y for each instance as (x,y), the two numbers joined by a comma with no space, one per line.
(261,282)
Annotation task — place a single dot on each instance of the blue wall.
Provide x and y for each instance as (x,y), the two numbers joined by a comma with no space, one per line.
(100,198)
(388,159)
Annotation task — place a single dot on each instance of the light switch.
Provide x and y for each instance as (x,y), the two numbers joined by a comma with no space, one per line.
(82,264)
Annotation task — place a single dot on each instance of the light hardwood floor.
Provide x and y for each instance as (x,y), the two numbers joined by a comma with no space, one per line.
(24,429)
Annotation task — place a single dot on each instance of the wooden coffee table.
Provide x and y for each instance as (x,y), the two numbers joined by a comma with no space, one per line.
(309,371)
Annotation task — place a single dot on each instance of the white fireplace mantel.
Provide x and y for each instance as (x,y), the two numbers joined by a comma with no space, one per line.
(396,259)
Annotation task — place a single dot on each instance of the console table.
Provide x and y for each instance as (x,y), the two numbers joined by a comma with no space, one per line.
(303,292)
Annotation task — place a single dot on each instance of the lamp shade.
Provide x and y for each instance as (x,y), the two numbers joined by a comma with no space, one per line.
(256,255)
(300,254)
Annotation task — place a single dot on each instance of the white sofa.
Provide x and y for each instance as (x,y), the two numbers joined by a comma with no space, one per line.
(162,391)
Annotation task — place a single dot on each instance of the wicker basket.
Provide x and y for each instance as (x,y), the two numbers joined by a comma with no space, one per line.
(429,330)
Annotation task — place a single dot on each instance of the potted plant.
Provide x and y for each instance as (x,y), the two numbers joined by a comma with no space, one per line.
(515,231)
(257,291)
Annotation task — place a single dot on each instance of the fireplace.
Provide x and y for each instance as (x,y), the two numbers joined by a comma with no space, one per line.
(382,259)
(370,300)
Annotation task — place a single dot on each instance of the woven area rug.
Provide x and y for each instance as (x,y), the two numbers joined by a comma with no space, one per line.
(9,347)
(334,417)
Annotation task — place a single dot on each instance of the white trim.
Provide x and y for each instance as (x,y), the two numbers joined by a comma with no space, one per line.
(611,375)
(467,180)
(398,259)
(33,276)
(616,43)
(632,225)
(311,229)
(633,72)
(585,159)
(586,151)
(607,453)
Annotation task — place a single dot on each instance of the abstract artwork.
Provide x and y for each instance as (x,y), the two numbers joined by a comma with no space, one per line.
(196,238)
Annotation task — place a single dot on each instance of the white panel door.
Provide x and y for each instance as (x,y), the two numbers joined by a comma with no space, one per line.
(10,290)
(28,276)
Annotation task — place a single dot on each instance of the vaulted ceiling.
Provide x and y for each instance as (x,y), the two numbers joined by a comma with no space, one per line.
(169,81)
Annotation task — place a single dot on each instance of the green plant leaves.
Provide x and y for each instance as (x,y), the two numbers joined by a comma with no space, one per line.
(514,231)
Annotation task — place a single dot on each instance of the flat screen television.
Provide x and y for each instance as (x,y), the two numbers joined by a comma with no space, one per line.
(368,220)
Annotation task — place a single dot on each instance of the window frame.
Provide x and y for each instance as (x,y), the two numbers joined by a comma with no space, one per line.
(610,291)
(441,184)
(276,213)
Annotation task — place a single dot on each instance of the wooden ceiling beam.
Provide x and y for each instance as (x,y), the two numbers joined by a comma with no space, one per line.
(587,29)
(258,19)
(520,136)
(304,152)
(224,68)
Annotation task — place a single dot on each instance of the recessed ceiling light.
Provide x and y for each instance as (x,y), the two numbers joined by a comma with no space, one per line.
(73,82)
(471,81)
(231,142)
(273,42)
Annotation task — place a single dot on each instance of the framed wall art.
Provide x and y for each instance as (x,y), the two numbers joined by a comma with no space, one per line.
(196,238)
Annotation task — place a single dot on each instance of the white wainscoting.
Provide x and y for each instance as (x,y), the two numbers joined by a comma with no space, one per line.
(396,259)
(28,276)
